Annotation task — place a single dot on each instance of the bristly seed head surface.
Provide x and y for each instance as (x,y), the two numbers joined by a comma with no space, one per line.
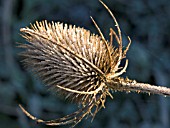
(74,63)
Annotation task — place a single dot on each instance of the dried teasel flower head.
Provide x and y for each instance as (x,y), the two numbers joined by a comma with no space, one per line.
(76,64)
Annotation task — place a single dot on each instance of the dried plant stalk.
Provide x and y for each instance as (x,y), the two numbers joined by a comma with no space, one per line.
(78,65)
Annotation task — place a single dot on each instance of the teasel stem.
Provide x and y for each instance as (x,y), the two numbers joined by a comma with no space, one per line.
(127,85)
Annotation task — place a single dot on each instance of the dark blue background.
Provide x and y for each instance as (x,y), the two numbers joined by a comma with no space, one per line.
(147,22)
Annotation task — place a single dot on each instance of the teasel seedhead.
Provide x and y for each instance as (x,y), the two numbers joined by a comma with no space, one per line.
(79,66)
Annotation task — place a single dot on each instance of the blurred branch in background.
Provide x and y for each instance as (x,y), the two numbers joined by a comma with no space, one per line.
(6,33)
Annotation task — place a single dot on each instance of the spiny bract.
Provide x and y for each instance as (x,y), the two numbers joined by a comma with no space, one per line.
(67,56)
(74,63)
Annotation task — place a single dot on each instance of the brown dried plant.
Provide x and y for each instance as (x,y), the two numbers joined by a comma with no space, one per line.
(80,66)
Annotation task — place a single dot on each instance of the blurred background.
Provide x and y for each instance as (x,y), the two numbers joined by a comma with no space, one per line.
(147,22)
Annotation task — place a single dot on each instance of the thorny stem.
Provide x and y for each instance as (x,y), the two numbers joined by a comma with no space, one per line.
(121,84)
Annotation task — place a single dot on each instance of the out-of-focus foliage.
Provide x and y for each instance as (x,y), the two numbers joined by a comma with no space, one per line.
(146,22)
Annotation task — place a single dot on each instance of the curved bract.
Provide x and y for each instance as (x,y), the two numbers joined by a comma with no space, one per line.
(74,63)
